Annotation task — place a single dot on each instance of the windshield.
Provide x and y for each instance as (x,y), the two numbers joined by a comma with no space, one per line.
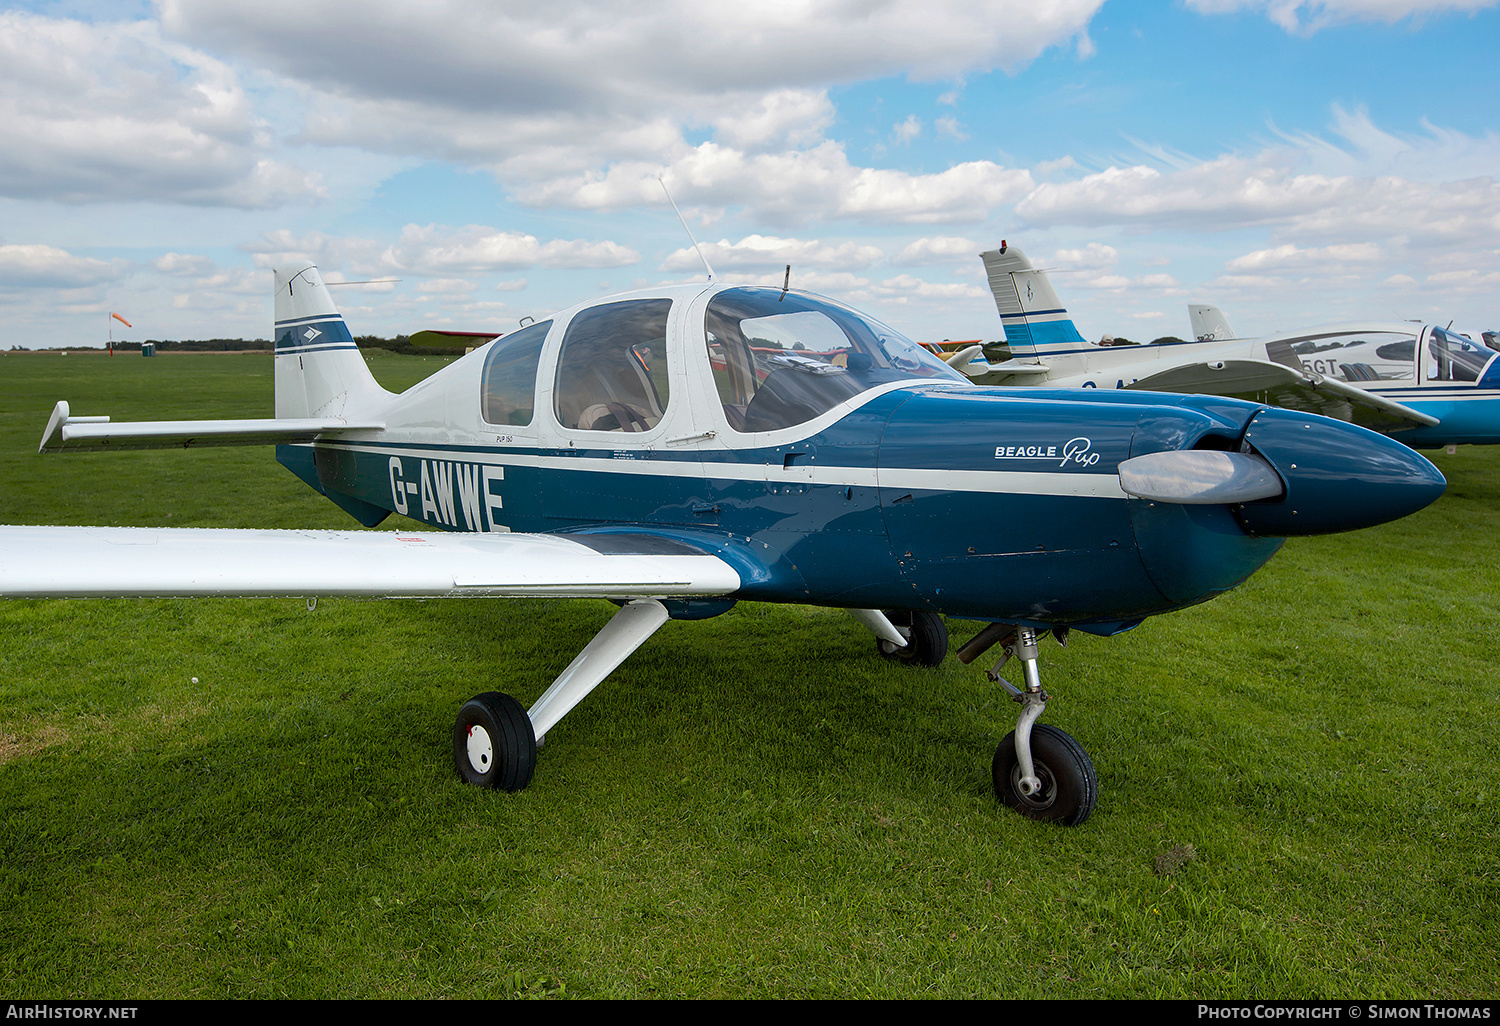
(1452,357)
(780,359)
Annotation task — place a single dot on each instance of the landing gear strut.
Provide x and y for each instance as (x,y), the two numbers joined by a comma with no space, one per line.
(914,637)
(495,739)
(1039,771)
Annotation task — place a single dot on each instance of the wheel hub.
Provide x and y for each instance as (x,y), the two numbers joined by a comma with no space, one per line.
(481,749)
(1044,795)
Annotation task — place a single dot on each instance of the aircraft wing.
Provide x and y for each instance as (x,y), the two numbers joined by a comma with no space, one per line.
(1289,387)
(131,562)
(66,433)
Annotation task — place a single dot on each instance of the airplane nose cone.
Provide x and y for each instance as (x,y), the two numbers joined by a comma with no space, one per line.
(1339,477)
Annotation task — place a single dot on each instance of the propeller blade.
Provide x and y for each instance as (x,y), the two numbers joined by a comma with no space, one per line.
(1200,477)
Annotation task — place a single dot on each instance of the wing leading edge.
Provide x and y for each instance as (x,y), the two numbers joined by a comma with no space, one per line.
(126,562)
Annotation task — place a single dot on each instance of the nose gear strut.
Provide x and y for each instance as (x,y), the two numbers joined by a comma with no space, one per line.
(1042,773)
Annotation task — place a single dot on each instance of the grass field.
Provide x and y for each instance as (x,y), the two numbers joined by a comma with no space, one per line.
(1300,794)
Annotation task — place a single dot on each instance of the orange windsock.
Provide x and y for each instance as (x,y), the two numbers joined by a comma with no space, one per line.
(122,320)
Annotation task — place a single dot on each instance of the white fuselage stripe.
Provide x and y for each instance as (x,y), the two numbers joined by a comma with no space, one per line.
(1017,482)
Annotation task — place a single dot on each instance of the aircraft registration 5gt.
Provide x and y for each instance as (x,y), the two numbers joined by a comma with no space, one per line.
(682,448)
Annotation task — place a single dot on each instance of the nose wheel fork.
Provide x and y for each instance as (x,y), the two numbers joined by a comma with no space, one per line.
(1038,770)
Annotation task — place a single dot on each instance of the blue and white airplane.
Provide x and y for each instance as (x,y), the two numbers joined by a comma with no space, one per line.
(678,449)
(1367,373)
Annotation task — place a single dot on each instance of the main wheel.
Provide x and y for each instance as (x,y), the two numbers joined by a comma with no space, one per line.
(926,638)
(493,743)
(1069,786)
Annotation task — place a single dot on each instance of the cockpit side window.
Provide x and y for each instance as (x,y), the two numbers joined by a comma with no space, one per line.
(1361,356)
(612,370)
(779,360)
(508,385)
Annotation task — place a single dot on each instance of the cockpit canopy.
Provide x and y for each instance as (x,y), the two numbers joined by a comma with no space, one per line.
(1391,355)
(781,359)
(776,360)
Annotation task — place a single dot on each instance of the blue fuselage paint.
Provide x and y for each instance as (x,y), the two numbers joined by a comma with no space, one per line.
(989,503)
(1467,415)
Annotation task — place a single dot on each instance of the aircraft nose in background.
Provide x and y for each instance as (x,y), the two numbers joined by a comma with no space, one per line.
(1339,477)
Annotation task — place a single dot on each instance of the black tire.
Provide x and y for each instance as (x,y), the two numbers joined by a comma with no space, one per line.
(503,755)
(928,641)
(1069,786)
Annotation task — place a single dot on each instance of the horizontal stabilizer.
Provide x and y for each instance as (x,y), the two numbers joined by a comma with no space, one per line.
(126,562)
(1023,369)
(66,433)
(1200,477)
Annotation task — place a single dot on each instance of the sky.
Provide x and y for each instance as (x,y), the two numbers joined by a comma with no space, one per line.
(1293,161)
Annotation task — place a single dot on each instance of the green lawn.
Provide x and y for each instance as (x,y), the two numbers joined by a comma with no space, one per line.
(1299,780)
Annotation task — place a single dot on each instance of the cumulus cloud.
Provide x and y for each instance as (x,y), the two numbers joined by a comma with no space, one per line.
(1292,257)
(41,266)
(1268,189)
(794,187)
(439,251)
(536,92)
(911,287)
(447,286)
(770,251)
(1091,257)
(906,131)
(950,128)
(794,117)
(582,53)
(182,264)
(113,112)
(939,249)
(1474,282)
(1308,16)
(855,288)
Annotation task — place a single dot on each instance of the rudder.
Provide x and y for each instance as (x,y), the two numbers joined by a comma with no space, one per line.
(319,371)
(1035,321)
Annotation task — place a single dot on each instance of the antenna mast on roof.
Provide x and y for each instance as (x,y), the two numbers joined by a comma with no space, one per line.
(685,228)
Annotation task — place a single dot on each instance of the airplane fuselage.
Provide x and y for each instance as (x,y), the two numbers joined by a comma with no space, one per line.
(936,494)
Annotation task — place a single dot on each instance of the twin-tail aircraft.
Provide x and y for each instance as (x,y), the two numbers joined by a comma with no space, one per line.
(678,449)
(1424,385)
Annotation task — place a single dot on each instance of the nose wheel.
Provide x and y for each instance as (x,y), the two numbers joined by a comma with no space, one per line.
(1038,770)
(1064,788)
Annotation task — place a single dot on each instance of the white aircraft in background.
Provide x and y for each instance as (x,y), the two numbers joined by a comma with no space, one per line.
(1450,396)
(1362,355)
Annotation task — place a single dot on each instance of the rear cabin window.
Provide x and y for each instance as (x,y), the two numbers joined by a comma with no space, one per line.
(508,386)
(612,370)
(1367,356)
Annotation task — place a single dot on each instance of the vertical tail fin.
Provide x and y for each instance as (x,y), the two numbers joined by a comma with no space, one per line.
(319,372)
(1036,324)
(1209,323)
